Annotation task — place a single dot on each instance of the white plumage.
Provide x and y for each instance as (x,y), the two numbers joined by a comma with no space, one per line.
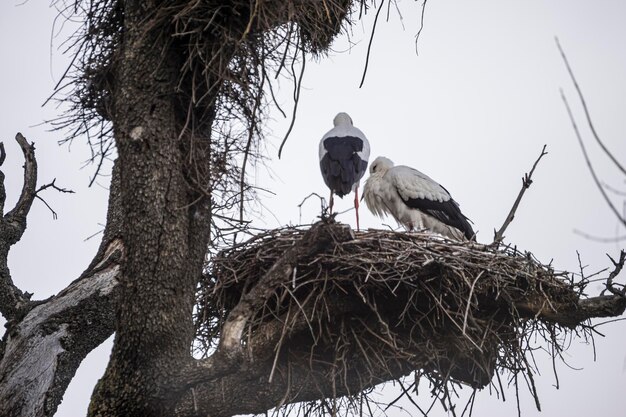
(344,152)
(414,200)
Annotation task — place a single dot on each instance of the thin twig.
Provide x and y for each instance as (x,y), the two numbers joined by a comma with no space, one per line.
(600,239)
(419,32)
(526,182)
(54,213)
(369,45)
(469,300)
(586,110)
(295,104)
(589,165)
(323,207)
(54,187)
(613,189)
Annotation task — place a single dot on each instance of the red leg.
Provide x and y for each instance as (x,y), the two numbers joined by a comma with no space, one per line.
(356,206)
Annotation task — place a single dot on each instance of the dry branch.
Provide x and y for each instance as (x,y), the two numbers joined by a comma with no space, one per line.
(592,171)
(583,102)
(14,302)
(46,340)
(22,207)
(526,182)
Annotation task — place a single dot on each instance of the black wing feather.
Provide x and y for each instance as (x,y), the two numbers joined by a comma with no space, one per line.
(341,165)
(447,212)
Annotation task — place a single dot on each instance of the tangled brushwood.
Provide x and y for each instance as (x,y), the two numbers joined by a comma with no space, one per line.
(377,305)
(231,57)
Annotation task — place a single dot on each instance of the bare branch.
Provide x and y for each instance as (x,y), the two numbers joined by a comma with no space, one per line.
(586,110)
(589,165)
(613,189)
(419,32)
(55,187)
(572,316)
(526,182)
(369,45)
(599,238)
(14,301)
(296,100)
(610,286)
(19,213)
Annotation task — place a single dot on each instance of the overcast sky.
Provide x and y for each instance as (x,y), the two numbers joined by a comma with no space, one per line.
(471,109)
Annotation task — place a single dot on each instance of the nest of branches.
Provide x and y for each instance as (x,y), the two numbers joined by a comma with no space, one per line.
(374,306)
(231,57)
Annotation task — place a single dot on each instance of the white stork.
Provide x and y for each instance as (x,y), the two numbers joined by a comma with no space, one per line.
(344,152)
(414,200)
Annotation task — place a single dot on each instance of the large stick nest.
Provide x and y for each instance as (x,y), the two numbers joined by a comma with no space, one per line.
(377,305)
(231,58)
(229,55)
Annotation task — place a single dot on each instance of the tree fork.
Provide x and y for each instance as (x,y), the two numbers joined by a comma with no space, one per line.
(43,349)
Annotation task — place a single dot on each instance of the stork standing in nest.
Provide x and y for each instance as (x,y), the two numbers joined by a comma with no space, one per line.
(344,152)
(414,200)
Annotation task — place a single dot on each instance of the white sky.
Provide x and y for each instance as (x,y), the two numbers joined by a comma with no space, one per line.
(472,110)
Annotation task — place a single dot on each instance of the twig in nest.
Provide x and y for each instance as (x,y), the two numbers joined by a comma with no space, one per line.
(323,206)
(526,182)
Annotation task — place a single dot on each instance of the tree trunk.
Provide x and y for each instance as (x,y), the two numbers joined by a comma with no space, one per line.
(167,228)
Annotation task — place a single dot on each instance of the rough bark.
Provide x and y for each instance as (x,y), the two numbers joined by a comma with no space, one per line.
(142,281)
(572,316)
(44,351)
(13,302)
(44,348)
(166,233)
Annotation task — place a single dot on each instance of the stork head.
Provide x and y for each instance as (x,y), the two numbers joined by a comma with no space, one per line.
(342,119)
(380,165)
